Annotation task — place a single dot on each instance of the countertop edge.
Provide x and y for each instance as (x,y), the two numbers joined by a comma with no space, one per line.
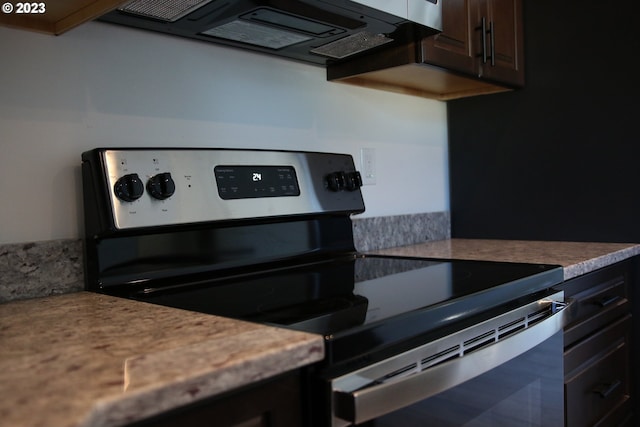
(584,267)
(207,383)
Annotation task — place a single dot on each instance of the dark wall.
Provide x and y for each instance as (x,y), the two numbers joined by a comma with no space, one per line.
(559,159)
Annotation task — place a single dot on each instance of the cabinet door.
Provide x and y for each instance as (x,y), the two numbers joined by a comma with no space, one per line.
(275,403)
(453,47)
(504,44)
(483,38)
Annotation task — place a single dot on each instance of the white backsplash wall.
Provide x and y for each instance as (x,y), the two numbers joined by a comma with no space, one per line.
(102,85)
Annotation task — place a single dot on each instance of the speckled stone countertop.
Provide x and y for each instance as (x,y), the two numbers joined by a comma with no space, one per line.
(85,359)
(577,258)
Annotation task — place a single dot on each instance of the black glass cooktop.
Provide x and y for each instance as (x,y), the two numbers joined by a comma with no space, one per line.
(363,303)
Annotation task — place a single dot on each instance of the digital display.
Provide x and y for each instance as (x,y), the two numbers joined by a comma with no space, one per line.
(246,182)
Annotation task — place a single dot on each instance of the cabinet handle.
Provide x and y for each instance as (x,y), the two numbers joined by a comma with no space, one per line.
(604,390)
(606,301)
(492,39)
(483,31)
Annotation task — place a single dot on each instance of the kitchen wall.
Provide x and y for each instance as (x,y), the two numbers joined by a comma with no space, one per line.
(104,85)
(557,160)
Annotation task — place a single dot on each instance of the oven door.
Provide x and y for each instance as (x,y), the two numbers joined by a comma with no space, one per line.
(505,371)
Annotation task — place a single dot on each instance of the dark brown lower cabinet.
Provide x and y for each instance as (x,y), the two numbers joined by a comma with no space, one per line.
(275,403)
(597,356)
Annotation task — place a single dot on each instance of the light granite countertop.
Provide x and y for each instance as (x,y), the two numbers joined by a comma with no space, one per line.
(576,258)
(86,359)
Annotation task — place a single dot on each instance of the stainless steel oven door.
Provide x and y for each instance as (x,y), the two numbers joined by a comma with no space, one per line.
(505,371)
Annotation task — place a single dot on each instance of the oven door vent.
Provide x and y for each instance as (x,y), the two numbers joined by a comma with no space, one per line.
(478,340)
(441,356)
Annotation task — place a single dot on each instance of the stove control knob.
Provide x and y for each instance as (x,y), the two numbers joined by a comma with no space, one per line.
(353,181)
(335,181)
(161,186)
(129,188)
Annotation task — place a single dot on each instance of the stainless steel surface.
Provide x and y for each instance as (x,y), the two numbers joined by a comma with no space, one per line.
(425,12)
(196,197)
(422,372)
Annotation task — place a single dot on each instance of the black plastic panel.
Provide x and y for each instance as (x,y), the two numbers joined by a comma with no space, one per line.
(246,182)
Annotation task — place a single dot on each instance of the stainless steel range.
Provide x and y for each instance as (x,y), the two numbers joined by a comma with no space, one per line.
(266,236)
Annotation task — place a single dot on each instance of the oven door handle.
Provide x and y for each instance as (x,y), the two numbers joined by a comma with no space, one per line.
(374,401)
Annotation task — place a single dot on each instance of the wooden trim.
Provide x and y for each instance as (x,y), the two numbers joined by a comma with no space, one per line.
(60,16)
(422,80)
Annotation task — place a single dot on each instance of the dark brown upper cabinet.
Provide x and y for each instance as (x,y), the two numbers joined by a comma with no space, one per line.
(479,51)
(483,38)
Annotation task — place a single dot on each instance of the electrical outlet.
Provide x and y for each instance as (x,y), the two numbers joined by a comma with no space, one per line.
(368,166)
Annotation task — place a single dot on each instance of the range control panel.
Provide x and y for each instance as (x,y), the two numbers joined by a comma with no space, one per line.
(154,187)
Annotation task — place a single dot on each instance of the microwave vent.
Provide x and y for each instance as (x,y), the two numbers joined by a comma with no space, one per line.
(351,45)
(164,10)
